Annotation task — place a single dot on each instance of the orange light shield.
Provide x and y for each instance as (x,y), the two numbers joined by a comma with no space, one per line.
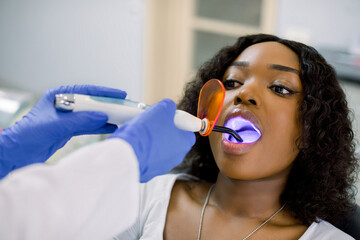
(210,103)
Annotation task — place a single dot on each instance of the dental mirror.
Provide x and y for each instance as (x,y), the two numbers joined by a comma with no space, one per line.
(210,103)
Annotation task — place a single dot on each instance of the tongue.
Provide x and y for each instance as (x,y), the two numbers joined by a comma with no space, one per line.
(246,129)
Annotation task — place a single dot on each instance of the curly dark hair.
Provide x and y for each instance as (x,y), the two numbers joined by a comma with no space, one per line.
(321,181)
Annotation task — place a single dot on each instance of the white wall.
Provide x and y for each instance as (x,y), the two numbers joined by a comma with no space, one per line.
(330,23)
(47,43)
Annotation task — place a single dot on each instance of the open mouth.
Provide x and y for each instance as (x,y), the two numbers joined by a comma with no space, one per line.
(245,128)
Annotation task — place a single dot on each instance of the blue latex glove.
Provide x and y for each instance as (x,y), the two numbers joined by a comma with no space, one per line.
(158,144)
(44,129)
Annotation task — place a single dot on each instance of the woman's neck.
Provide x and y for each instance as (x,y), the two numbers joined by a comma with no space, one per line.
(250,198)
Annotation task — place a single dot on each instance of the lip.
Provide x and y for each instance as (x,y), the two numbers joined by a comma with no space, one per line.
(239,148)
(244,114)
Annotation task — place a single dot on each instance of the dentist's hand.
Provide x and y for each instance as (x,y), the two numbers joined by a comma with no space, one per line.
(158,144)
(44,130)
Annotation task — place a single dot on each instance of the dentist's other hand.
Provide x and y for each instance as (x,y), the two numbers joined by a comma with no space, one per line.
(44,129)
(158,144)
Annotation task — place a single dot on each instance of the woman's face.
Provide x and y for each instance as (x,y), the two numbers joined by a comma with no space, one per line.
(263,86)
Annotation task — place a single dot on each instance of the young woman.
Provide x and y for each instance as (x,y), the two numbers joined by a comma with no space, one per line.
(290,183)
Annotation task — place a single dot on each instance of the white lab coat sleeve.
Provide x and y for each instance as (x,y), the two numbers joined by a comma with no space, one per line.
(91,194)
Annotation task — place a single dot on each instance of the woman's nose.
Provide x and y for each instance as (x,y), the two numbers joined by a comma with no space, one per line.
(248,94)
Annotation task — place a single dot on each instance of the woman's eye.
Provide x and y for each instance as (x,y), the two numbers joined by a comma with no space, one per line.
(282,90)
(230,84)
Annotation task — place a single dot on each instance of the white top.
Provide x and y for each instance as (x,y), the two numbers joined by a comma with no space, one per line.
(154,201)
(91,194)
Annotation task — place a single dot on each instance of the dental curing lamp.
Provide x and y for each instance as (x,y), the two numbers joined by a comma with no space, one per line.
(119,111)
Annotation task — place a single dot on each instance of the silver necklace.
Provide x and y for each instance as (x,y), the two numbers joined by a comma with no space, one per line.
(203,211)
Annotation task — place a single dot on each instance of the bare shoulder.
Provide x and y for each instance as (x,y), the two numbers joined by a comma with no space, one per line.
(184,209)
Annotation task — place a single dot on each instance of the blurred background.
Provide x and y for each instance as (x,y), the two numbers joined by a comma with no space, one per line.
(151,48)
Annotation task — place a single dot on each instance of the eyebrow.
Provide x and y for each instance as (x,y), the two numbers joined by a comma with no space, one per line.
(271,66)
(240,64)
(283,68)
